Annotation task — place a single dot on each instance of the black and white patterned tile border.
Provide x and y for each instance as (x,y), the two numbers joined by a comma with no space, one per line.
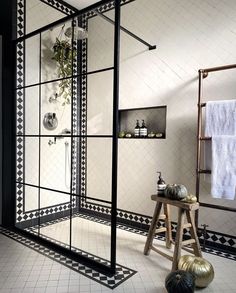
(62,7)
(220,253)
(212,236)
(20,61)
(122,273)
(137,218)
(82,159)
(29,215)
(106,7)
(74,126)
(209,250)
(158,237)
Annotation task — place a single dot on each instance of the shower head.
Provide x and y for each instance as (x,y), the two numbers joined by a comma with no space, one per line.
(79,33)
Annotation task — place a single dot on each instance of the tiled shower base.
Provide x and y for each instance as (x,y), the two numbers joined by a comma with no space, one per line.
(151,270)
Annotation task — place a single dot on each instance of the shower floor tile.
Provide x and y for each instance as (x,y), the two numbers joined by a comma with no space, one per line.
(122,273)
(25,270)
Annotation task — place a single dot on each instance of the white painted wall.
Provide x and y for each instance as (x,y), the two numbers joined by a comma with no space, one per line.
(189,35)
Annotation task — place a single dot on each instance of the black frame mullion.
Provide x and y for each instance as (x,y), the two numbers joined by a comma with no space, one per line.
(63,192)
(115,134)
(63,136)
(72,131)
(67,77)
(39,141)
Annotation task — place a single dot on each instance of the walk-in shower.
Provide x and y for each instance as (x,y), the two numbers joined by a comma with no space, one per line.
(67,101)
(56,143)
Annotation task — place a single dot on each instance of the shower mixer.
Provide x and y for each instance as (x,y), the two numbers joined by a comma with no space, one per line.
(50,121)
(61,135)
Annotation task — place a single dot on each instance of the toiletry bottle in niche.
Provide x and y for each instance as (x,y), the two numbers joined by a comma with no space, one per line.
(137,130)
(161,185)
(143,130)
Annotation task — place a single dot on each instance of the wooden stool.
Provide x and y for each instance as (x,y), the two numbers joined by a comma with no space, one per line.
(185,209)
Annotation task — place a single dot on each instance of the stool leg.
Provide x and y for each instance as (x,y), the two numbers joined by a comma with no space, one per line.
(196,246)
(168,226)
(178,240)
(152,229)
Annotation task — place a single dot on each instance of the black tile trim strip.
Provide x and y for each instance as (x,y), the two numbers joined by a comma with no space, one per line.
(122,273)
(106,7)
(62,7)
(211,250)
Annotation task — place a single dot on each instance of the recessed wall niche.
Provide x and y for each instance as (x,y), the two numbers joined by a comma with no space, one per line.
(154,118)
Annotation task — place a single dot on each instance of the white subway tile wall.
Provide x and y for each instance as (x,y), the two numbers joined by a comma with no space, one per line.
(189,35)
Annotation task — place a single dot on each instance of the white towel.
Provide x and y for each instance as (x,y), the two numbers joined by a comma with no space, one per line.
(223,176)
(220,118)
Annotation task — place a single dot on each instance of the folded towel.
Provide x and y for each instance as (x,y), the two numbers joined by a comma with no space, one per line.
(220,118)
(223,176)
(207,160)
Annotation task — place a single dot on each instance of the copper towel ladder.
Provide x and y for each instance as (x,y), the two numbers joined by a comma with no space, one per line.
(203,73)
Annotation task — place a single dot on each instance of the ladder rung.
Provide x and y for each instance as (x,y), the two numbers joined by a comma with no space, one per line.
(162,229)
(204,171)
(205,138)
(162,217)
(188,250)
(187,225)
(187,242)
(162,253)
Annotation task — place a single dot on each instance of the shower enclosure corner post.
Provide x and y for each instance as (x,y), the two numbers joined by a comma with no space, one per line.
(115,134)
(8,31)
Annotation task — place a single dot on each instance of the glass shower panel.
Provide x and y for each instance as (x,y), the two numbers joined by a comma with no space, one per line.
(32,60)
(99,168)
(32,110)
(55,165)
(55,217)
(39,14)
(100,36)
(31,199)
(28,213)
(51,104)
(56,54)
(88,233)
(31,168)
(55,172)
(100,103)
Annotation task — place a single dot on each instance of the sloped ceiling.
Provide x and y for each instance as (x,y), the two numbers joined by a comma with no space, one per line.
(80,4)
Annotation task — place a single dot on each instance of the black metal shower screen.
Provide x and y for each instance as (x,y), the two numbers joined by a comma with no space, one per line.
(31,221)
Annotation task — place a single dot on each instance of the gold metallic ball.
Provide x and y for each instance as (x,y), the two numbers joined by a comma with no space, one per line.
(200,267)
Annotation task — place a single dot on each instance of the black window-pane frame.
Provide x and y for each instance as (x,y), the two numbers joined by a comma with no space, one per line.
(114,136)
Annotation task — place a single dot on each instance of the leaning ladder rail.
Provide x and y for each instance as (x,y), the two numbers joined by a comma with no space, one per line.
(202,74)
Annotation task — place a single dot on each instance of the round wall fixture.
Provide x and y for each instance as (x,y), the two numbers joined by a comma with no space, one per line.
(50,121)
